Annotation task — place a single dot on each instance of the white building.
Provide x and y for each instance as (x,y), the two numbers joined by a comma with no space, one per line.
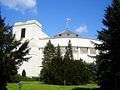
(32,31)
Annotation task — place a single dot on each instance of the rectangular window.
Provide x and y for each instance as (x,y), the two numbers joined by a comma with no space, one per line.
(63,50)
(23,33)
(75,49)
(92,51)
(84,50)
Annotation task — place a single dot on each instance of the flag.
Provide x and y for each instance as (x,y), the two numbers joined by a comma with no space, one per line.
(68,19)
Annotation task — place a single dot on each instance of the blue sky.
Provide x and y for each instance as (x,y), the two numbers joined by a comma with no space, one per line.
(86,15)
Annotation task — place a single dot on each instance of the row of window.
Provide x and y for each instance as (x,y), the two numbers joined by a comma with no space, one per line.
(83,50)
(68,35)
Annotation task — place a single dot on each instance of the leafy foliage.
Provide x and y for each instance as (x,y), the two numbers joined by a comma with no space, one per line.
(108,61)
(11,57)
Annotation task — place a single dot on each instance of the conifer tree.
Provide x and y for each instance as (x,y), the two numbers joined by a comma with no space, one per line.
(69,53)
(108,60)
(23,73)
(11,57)
(57,67)
(49,54)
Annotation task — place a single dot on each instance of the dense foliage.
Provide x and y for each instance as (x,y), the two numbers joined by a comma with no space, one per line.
(23,73)
(17,77)
(108,61)
(49,54)
(57,69)
(11,57)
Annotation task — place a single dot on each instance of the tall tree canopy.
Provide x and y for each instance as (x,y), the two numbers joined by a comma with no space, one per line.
(46,72)
(12,53)
(108,61)
(69,52)
(57,70)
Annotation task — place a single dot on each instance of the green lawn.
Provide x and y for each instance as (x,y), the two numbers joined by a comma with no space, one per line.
(39,86)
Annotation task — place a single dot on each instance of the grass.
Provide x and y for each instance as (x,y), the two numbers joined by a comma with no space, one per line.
(34,85)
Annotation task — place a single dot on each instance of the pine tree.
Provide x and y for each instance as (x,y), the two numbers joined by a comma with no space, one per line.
(49,54)
(57,67)
(11,57)
(69,53)
(23,73)
(108,60)
(67,63)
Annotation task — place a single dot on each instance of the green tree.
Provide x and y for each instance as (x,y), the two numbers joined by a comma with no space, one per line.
(11,57)
(69,52)
(23,73)
(57,67)
(46,72)
(91,67)
(108,60)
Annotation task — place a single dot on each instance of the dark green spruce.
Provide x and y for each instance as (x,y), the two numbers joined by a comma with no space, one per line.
(11,57)
(69,52)
(57,69)
(23,73)
(46,73)
(108,61)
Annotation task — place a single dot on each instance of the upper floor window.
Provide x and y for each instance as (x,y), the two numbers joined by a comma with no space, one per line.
(67,34)
(84,50)
(23,33)
(76,35)
(60,35)
(75,49)
(92,51)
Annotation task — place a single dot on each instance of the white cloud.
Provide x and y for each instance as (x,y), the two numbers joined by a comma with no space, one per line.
(82,29)
(20,5)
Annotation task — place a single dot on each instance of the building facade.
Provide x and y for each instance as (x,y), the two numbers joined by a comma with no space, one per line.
(32,30)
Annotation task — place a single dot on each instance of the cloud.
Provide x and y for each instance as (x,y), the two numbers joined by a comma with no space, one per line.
(20,5)
(82,29)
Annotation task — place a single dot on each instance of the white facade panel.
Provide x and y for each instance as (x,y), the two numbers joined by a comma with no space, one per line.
(38,40)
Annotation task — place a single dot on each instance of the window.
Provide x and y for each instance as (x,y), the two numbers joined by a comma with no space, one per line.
(83,50)
(76,35)
(75,49)
(92,51)
(67,34)
(23,33)
(59,34)
(63,50)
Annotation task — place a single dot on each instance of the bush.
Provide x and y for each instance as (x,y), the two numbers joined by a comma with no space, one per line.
(16,78)
(23,73)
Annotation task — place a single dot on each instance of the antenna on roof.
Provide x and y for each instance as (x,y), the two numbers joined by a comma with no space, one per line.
(68,21)
(0,9)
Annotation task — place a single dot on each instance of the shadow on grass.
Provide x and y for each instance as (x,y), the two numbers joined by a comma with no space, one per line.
(78,88)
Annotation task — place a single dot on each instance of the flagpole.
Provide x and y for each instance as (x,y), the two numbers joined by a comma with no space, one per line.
(68,20)
(67,23)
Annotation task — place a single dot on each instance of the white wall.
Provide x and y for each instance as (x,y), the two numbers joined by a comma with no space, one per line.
(33,34)
(38,40)
(76,43)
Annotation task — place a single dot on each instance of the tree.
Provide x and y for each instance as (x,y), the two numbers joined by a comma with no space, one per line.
(23,73)
(91,67)
(108,60)
(49,54)
(69,53)
(12,53)
(57,67)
